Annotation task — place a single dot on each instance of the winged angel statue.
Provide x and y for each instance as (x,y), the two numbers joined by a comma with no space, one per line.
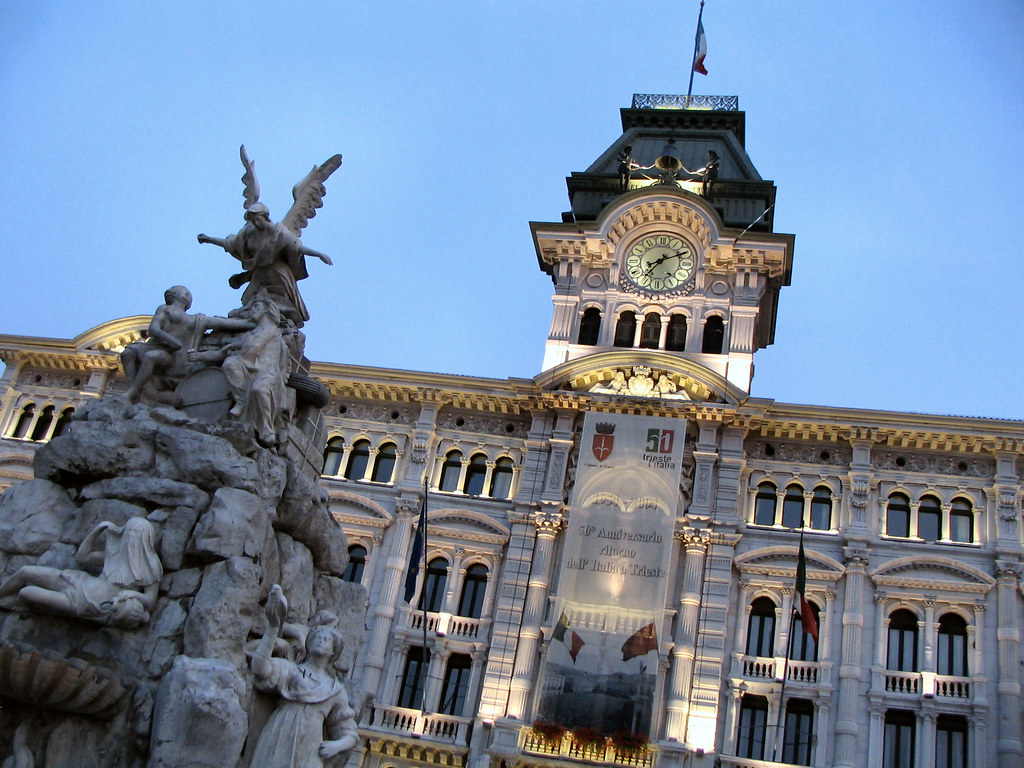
(272,254)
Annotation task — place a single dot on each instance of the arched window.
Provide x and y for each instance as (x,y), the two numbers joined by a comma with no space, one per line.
(902,655)
(650,331)
(590,326)
(753,726)
(333,454)
(450,472)
(929,519)
(714,335)
(357,460)
(961,521)
(821,509)
(793,507)
(952,645)
(432,596)
(384,466)
(471,603)
(625,330)
(476,472)
(764,504)
(897,516)
(28,412)
(414,676)
(63,421)
(761,628)
(501,479)
(43,423)
(803,646)
(456,685)
(356,564)
(675,341)
(796,745)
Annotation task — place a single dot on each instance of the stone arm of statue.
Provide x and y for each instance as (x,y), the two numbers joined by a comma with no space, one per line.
(310,252)
(221,241)
(277,606)
(90,551)
(342,730)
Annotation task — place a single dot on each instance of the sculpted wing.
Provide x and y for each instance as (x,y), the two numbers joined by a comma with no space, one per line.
(309,195)
(251,190)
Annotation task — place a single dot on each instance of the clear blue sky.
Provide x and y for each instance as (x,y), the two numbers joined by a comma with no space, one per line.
(892,130)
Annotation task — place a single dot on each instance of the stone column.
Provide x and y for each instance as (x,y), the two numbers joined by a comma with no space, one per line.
(435,677)
(927,656)
(926,735)
(1009,707)
(663,336)
(695,546)
(456,572)
(821,742)
(548,523)
(847,750)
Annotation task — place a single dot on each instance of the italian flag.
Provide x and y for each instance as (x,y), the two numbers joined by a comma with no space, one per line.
(701,49)
(807,618)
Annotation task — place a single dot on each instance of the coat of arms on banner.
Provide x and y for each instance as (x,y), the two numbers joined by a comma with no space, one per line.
(604,440)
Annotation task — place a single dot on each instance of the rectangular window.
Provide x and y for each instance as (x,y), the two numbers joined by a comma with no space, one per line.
(414,678)
(753,723)
(456,685)
(951,742)
(796,746)
(898,747)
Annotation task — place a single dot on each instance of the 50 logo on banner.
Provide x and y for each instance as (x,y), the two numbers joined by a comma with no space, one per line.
(660,440)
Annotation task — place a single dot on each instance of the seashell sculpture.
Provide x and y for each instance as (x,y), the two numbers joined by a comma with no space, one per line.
(44,679)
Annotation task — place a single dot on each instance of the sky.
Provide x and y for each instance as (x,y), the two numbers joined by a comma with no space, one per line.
(891,129)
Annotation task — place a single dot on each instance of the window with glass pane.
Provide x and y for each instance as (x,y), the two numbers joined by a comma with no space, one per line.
(951,741)
(450,471)
(650,331)
(432,596)
(384,466)
(961,521)
(358,460)
(761,628)
(796,744)
(63,421)
(675,341)
(897,516)
(410,694)
(902,650)
(456,685)
(821,509)
(476,472)
(714,336)
(24,421)
(590,326)
(929,519)
(43,423)
(471,603)
(898,747)
(625,330)
(764,504)
(753,724)
(952,645)
(356,564)
(501,479)
(803,645)
(333,454)
(793,507)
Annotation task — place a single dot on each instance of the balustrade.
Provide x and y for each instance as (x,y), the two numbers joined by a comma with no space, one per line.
(565,747)
(445,728)
(949,687)
(902,682)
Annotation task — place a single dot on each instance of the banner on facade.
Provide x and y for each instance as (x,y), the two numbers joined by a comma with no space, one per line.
(601,665)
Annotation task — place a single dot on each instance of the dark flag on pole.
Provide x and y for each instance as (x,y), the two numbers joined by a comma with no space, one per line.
(808,620)
(701,48)
(416,556)
(644,640)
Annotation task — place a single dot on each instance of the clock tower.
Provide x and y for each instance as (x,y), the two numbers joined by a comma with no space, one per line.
(667,261)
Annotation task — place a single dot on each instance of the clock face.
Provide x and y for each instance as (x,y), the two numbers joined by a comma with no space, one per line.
(660,263)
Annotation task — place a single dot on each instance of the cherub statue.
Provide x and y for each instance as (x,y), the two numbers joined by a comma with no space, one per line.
(173,332)
(314,721)
(272,255)
(122,595)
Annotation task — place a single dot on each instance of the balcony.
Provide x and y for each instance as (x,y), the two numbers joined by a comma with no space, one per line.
(775,668)
(923,684)
(416,724)
(446,625)
(566,748)
(729,761)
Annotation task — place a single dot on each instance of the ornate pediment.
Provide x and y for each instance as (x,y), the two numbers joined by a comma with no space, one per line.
(780,562)
(348,507)
(933,574)
(467,525)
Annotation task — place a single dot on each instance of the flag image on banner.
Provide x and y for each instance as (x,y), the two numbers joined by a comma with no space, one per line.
(807,619)
(644,640)
(575,643)
(701,50)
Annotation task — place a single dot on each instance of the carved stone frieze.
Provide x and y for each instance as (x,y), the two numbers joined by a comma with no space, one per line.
(467,422)
(803,453)
(379,412)
(35,377)
(934,463)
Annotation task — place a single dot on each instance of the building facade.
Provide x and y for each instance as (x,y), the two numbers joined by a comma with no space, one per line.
(633,498)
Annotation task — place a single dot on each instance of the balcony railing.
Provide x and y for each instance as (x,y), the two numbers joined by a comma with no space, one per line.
(674,101)
(565,747)
(903,682)
(773,668)
(949,687)
(412,722)
(445,624)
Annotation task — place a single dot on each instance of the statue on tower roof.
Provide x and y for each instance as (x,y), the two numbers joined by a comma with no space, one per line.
(272,254)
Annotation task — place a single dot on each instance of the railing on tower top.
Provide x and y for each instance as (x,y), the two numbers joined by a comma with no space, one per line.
(673,101)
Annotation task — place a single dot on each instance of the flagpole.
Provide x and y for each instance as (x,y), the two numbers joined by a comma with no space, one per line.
(789,651)
(696,42)
(426,658)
